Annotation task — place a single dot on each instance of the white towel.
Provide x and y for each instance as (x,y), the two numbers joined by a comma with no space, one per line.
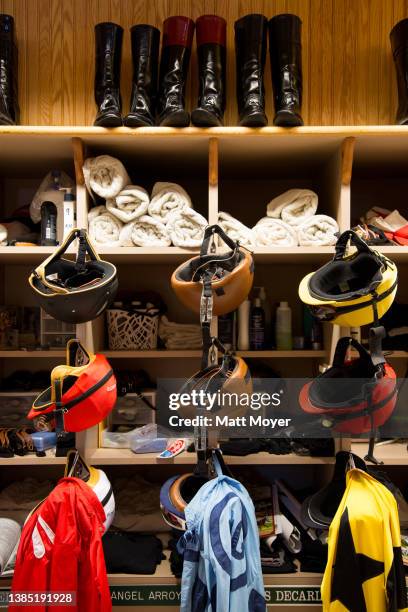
(320,230)
(129,204)
(105,175)
(3,234)
(293,206)
(145,231)
(236,230)
(180,335)
(186,228)
(104,228)
(166,198)
(274,232)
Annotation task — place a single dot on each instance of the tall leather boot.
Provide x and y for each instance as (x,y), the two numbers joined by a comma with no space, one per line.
(211,50)
(108,53)
(250,50)
(286,64)
(175,59)
(9,110)
(145,55)
(399,45)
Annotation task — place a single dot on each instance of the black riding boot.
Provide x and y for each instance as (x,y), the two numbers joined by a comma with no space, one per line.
(9,110)
(250,49)
(211,51)
(145,55)
(108,52)
(399,44)
(175,58)
(286,64)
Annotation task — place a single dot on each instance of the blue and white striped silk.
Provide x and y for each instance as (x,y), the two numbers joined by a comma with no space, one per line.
(222,566)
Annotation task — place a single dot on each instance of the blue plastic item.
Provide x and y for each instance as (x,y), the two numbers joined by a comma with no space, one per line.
(43,440)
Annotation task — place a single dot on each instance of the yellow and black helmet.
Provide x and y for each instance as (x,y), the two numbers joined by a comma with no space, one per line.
(353,289)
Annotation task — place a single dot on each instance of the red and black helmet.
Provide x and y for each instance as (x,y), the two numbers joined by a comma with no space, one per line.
(353,396)
(83,391)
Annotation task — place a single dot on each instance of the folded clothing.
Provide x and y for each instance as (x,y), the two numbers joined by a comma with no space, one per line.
(130,514)
(105,175)
(167,198)
(293,206)
(186,228)
(129,204)
(10,532)
(179,335)
(236,230)
(274,232)
(145,231)
(319,230)
(104,228)
(131,553)
(19,498)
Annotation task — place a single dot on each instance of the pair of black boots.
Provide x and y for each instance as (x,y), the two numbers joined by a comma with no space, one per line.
(165,103)
(286,65)
(9,110)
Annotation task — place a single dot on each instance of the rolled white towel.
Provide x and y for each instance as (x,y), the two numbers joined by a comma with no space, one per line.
(320,230)
(236,230)
(105,175)
(294,206)
(186,228)
(166,198)
(145,231)
(275,232)
(3,235)
(104,228)
(129,204)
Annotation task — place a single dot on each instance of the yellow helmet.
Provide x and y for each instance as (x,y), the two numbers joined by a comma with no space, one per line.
(351,290)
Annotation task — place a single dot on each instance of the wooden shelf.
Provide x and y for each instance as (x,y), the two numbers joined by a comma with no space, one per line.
(26,255)
(187,354)
(273,354)
(153,354)
(32,354)
(32,459)
(124,456)
(164,575)
(390,454)
(174,255)
(236,131)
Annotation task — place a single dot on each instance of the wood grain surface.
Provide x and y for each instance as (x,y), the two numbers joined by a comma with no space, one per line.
(349,76)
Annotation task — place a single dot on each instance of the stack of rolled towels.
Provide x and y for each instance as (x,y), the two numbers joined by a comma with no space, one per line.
(132,217)
(290,221)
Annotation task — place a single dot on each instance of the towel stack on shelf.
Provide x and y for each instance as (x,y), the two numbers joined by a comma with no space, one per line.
(291,220)
(180,335)
(131,217)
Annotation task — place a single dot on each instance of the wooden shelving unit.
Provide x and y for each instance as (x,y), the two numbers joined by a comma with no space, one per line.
(217,166)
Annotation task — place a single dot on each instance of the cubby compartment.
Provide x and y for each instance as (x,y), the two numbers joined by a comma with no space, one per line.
(151,160)
(251,176)
(24,163)
(379,176)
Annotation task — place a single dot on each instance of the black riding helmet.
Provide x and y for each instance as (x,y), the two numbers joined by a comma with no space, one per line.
(75,291)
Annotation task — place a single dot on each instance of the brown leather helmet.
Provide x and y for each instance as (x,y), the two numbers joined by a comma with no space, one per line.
(226,279)
(230,378)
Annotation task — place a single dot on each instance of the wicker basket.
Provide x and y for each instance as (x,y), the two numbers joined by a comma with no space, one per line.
(132,329)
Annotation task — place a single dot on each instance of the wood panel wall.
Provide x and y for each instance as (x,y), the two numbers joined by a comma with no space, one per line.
(347,64)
